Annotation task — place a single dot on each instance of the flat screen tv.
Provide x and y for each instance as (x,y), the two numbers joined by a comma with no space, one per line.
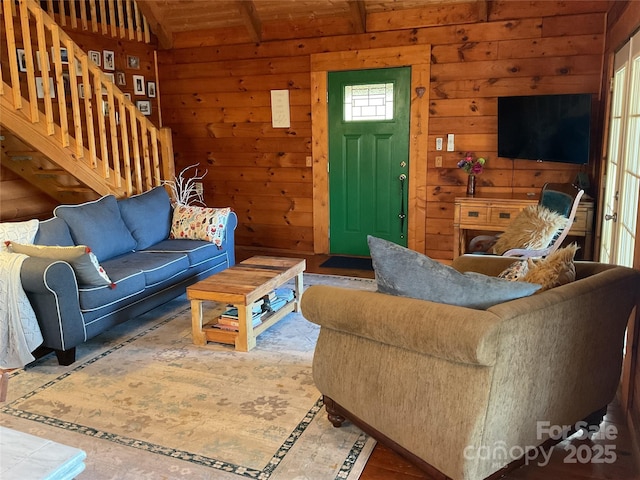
(555,128)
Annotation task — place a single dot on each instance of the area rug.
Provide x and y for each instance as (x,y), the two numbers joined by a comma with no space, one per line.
(144,402)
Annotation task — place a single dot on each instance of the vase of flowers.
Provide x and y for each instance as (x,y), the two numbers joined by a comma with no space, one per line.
(472,166)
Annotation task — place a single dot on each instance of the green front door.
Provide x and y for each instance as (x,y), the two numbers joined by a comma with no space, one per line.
(368,157)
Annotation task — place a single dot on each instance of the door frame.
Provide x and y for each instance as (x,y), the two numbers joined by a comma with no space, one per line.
(418,57)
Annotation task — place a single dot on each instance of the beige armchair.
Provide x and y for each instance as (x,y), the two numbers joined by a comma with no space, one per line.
(442,384)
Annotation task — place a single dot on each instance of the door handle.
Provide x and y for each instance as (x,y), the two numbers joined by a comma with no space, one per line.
(402,215)
(613,217)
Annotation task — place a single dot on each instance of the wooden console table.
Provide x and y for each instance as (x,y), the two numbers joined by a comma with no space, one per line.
(493,214)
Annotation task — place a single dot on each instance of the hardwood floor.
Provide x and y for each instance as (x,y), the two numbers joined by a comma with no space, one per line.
(384,464)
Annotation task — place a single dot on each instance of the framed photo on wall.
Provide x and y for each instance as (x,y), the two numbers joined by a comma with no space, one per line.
(144,106)
(138,85)
(109,58)
(95,57)
(151,89)
(40,88)
(64,55)
(22,59)
(120,78)
(133,62)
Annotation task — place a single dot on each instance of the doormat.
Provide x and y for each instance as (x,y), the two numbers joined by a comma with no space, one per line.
(357,263)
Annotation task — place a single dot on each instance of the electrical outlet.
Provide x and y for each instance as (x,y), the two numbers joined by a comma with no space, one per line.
(199,188)
(439,161)
(439,143)
(450,143)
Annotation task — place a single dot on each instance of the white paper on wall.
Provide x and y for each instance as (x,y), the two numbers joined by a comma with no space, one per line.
(280,116)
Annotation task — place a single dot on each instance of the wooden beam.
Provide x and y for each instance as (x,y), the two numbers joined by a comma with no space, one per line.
(358,12)
(251,19)
(153,14)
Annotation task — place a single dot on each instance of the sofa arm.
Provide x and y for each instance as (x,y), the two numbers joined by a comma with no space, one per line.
(52,289)
(449,332)
(229,237)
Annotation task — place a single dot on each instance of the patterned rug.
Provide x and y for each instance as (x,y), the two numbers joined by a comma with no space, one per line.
(144,402)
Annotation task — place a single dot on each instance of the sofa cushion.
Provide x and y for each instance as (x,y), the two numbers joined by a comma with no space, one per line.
(98,225)
(553,271)
(534,228)
(53,231)
(197,251)
(404,272)
(84,263)
(156,267)
(199,223)
(147,216)
(23,232)
(128,281)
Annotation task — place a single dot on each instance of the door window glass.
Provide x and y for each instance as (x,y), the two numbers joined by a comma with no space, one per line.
(368,102)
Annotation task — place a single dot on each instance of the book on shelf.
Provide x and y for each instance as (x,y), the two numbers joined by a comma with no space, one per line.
(278,299)
(232,312)
(230,323)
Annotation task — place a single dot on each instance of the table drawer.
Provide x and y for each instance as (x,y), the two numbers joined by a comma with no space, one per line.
(580,221)
(503,216)
(473,214)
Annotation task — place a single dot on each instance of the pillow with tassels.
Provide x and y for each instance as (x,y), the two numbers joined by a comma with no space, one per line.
(84,263)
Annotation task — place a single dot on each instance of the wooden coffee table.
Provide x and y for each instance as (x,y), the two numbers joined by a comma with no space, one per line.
(240,286)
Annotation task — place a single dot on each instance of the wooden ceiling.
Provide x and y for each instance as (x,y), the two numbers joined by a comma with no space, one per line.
(242,21)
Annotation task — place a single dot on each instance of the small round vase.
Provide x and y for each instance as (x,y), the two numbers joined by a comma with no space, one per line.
(471,185)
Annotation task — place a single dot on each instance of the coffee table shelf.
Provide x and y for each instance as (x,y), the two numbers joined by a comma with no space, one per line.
(241,286)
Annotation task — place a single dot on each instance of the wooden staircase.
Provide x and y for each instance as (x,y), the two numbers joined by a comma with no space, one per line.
(36,168)
(74,148)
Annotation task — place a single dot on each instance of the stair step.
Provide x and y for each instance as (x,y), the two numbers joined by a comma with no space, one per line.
(74,189)
(22,155)
(51,172)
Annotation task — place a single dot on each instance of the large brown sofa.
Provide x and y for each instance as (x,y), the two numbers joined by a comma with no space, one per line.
(454,388)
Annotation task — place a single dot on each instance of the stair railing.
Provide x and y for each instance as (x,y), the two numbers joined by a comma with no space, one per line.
(103,129)
(115,18)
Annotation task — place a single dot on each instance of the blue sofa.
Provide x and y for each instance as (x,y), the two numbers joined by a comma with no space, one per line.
(130,239)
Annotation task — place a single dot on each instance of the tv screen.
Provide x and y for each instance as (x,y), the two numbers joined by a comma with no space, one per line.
(555,128)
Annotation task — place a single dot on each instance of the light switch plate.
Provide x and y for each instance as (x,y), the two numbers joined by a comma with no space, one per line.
(439,143)
(450,143)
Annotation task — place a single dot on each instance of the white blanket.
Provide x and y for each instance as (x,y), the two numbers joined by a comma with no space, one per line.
(19,330)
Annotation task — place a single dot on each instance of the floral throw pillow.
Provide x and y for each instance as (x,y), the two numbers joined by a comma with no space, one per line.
(199,223)
(515,271)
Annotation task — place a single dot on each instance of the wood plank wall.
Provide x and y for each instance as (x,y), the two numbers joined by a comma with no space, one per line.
(216,100)
(20,201)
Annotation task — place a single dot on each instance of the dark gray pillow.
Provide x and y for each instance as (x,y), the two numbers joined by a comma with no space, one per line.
(147,216)
(98,225)
(404,272)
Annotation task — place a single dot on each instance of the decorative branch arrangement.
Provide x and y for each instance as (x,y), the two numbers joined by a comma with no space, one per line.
(183,188)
